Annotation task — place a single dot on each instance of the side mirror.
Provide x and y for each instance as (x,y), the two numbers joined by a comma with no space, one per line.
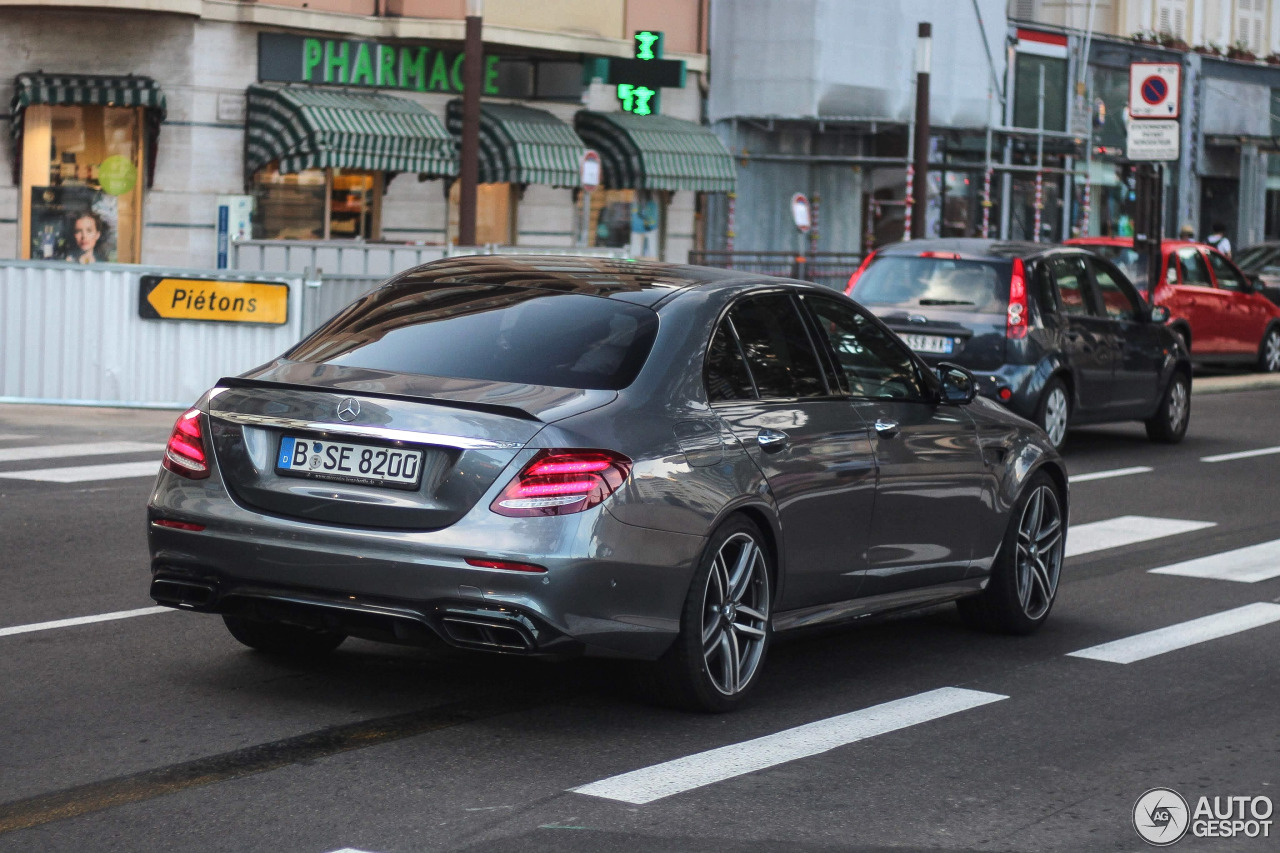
(959,386)
(1252,283)
(1159,314)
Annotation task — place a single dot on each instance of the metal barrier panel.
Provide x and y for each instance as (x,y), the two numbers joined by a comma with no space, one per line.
(373,260)
(71,334)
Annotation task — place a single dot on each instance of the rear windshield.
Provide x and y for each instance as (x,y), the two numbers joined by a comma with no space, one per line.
(495,333)
(971,286)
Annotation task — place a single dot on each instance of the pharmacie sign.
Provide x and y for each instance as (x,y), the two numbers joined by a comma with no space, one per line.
(287,58)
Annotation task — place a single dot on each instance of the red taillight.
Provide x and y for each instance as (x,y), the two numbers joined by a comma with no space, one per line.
(178,525)
(185,454)
(559,482)
(1016,327)
(853,279)
(946,256)
(505,565)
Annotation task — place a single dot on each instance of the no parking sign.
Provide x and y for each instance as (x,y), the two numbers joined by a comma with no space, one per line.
(1154,89)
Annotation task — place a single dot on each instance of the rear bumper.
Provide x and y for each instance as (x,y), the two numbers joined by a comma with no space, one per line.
(1024,382)
(610,589)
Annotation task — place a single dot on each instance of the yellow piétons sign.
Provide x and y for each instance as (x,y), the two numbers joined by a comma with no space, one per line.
(164,298)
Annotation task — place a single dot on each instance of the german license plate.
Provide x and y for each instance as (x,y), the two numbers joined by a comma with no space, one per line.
(387,467)
(930,343)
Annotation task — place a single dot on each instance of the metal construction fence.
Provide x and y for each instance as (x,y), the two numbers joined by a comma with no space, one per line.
(376,260)
(76,334)
(831,269)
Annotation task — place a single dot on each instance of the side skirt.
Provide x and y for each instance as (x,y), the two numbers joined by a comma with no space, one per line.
(862,608)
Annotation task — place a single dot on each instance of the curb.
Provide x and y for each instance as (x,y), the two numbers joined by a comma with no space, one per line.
(1227,384)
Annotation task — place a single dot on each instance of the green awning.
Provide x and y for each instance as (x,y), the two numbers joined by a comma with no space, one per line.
(97,90)
(522,145)
(656,152)
(312,128)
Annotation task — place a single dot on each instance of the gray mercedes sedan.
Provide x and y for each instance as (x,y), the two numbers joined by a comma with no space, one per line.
(557,456)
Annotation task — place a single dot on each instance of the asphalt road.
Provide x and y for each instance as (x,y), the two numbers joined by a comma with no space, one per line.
(157,731)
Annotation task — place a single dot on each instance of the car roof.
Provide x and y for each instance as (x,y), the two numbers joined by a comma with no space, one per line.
(1167,243)
(971,248)
(640,282)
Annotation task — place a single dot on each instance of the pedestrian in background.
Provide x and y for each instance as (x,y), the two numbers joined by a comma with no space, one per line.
(1218,239)
(1186,232)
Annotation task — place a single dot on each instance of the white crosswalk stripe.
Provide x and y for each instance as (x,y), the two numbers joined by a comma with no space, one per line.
(1244,565)
(83,620)
(1243,454)
(71,451)
(87,473)
(1180,636)
(1107,475)
(704,768)
(1125,530)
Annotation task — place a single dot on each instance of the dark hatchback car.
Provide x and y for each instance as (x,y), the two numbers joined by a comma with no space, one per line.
(1261,262)
(1057,334)
(551,456)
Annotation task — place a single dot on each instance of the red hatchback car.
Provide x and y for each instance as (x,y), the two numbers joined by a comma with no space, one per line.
(1215,307)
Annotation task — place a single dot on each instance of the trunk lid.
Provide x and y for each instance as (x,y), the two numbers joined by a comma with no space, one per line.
(467,432)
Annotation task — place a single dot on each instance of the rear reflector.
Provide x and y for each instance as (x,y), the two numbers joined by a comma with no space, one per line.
(559,482)
(853,279)
(185,454)
(505,565)
(1016,327)
(1005,394)
(178,525)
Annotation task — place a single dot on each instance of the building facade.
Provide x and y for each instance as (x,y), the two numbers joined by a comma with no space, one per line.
(136,124)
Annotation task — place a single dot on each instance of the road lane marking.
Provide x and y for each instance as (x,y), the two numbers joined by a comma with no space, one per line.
(83,620)
(1125,530)
(68,451)
(13,436)
(1107,475)
(1243,454)
(694,771)
(1157,642)
(1243,565)
(84,473)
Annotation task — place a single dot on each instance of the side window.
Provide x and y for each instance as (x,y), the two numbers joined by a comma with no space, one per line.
(1116,299)
(1073,285)
(778,350)
(1194,271)
(873,363)
(726,373)
(1225,273)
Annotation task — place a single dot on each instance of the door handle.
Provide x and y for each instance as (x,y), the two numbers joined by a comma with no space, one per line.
(886,427)
(772,440)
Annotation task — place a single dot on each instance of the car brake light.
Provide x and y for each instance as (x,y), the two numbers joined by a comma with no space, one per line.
(559,482)
(853,279)
(1016,327)
(946,256)
(185,453)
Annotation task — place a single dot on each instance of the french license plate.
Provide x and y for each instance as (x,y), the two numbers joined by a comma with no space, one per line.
(387,467)
(930,343)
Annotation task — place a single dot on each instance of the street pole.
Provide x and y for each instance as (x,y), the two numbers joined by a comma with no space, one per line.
(924,58)
(469,161)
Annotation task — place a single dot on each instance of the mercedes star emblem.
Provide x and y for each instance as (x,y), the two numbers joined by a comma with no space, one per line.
(349,409)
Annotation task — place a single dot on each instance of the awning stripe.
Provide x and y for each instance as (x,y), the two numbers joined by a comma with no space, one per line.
(522,145)
(61,90)
(306,128)
(656,152)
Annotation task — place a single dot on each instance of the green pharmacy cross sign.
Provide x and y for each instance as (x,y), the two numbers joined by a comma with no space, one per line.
(638,79)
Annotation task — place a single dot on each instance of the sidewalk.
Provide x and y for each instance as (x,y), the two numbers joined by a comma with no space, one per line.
(1226,384)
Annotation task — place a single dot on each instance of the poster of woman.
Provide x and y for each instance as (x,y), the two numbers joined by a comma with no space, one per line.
(73,223)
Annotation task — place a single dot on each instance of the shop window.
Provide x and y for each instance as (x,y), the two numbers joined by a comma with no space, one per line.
(630,219)
(82,169)
(317,204)
(1026,91)
(495,213)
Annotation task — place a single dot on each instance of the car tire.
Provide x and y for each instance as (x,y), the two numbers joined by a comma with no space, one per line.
(1269,351)
(1053,412)
(1170,422)
(1024,577)
(715,662)
(275,638)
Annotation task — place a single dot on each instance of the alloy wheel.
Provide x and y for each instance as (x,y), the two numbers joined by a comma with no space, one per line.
(1271,352)
(735,614)
(1038,563)
(1055,416)
(1178,407)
